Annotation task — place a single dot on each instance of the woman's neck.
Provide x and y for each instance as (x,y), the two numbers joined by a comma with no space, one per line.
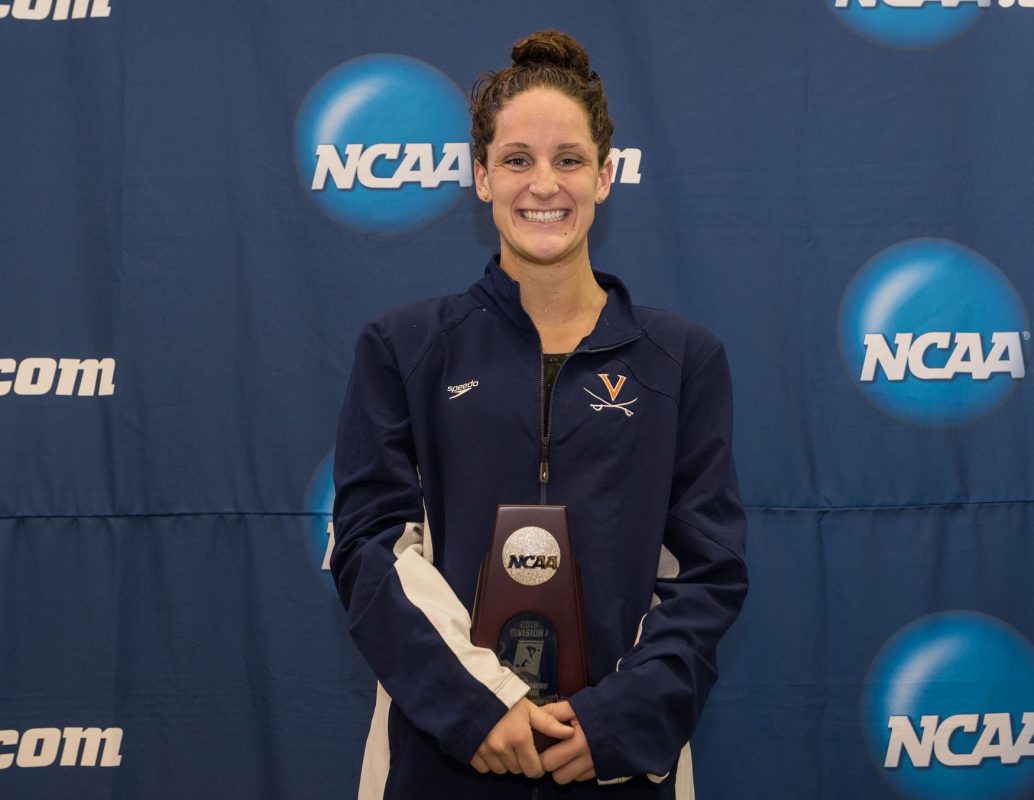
(563,301)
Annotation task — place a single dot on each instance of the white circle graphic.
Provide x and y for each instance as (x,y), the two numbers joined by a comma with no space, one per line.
(531,556)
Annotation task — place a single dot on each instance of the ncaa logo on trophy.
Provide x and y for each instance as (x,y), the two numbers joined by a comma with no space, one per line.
(381,144)
(531,556)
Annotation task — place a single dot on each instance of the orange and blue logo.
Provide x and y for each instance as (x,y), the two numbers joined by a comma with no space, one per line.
(613,389)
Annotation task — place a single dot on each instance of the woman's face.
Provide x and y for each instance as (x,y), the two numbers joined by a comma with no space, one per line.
(543,179)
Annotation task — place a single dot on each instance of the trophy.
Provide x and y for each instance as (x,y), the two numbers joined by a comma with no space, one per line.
(528,607)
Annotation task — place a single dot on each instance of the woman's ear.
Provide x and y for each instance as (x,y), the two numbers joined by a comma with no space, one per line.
(481,182)
(604,180)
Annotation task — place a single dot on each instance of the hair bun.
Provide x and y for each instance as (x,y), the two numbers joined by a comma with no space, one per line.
(555,48)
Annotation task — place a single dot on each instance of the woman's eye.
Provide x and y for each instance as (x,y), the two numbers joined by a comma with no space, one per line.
(570,162)
(516,161)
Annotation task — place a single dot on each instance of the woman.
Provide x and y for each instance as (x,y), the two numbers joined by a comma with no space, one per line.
(540,384)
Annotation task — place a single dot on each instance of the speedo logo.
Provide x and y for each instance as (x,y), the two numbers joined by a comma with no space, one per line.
(933,333)
(78,747)
(462,389)
(38,10)
(533,562)
(935,743)
(64,377)
(966,356)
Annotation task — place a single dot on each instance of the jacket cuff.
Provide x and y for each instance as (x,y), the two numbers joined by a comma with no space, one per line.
(587,709)
(608,757)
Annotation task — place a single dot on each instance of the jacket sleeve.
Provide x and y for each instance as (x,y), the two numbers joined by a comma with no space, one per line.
(402,614)
(638,718)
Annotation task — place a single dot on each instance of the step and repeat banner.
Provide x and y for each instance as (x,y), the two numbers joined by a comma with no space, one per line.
(203,202)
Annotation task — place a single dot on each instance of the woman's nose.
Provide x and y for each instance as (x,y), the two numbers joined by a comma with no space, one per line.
(543,181)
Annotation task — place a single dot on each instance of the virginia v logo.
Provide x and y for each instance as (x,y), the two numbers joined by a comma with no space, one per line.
(613,389)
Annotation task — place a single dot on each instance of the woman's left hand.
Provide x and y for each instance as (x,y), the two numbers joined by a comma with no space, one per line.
(569,760)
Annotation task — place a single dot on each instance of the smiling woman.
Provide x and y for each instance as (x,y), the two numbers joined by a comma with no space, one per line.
(497,396)
(543,178)
(541,134)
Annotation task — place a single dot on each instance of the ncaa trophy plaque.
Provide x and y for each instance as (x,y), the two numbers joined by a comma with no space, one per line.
(528,607)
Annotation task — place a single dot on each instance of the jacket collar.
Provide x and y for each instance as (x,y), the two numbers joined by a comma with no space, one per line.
(616,325)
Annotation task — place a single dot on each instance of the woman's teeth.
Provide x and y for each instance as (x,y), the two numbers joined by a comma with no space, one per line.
(544,216)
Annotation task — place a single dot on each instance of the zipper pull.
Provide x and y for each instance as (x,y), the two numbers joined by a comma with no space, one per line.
(544,465)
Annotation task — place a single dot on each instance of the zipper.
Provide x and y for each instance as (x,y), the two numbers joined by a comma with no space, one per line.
(546,426)
(543,426)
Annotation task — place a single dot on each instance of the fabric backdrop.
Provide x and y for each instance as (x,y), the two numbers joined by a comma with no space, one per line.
(200,205)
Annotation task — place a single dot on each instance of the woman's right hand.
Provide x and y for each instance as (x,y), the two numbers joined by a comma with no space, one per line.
(509,746)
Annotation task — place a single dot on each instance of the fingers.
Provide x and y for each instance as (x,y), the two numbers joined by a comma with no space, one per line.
(510,762)
(575,769)
(572,770)
(500,756)
(578,769)
(528,759)
(493,762)
(544,722)
(509,746)
(555,757)
(560,710)
(570,760)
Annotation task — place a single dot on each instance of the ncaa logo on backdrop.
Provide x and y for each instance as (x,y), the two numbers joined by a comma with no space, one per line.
(318,520)
(948,709)
(381,144)
(914,23)
(933,333)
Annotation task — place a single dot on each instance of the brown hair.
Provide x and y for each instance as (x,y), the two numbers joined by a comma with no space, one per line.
(550,59)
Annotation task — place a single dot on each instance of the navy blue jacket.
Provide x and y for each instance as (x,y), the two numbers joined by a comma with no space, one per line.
(442,422)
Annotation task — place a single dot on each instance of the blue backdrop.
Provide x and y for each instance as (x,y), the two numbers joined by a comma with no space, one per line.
(203,202)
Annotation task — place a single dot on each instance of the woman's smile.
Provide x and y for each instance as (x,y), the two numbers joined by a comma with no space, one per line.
(545,216)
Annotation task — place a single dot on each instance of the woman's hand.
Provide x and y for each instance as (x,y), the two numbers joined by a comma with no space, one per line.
(569,760)
(509,747)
